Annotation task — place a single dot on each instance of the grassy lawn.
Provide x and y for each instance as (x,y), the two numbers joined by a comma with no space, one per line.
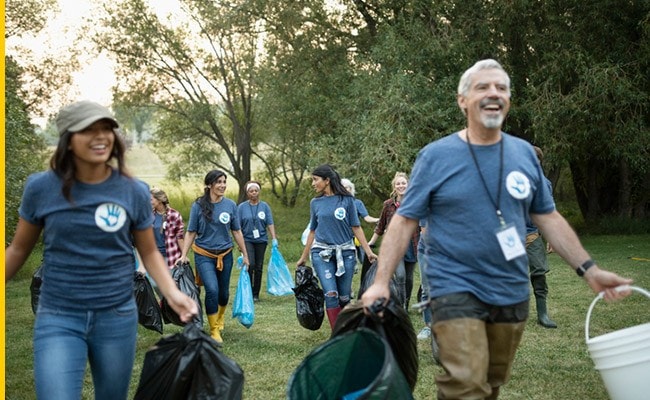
(551,363)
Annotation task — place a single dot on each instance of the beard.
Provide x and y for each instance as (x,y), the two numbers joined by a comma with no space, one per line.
(492,121)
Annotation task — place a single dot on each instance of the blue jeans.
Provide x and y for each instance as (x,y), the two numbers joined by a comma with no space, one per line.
(426,314)
(216,283)
(337,289)
(65,340)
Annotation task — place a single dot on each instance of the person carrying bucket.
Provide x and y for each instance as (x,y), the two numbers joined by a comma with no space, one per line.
(475,188)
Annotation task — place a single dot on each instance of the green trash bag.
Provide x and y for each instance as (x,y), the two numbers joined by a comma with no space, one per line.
(356,365)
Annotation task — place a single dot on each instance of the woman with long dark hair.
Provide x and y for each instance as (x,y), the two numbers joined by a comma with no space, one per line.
(213,218)
(334,223)
(91,213)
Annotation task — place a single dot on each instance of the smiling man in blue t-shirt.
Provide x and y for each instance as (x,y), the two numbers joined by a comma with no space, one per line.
(475,189)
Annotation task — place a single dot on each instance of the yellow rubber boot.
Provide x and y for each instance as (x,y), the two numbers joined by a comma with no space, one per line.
(214,331)
(221,311)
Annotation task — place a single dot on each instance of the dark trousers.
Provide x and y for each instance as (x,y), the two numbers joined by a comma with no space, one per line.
(255,269)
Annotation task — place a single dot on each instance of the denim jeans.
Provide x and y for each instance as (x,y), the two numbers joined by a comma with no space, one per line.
(404,281)
(65,340)
(337,289)
(216,283)
(426,314)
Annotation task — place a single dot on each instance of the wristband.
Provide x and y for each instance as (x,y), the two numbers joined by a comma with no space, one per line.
(584,267)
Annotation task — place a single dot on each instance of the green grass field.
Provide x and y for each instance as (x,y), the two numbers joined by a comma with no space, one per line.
(550,364)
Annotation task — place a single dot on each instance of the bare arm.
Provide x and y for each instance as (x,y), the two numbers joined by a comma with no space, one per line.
(187,243)
(398,236)
(271,229)
(305,252)
(361,237)
(20,247)
(566,244)
(157,269)
(370,220)
(373,239)
(239,238)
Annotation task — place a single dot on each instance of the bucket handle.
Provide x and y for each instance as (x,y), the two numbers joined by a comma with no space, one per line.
(600,296)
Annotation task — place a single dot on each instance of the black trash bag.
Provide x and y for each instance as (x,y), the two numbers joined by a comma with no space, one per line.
(189,366)
(310,299)
(35,287)
(354,365)
(395,326)
(149,314)
(184,277)
(369,278)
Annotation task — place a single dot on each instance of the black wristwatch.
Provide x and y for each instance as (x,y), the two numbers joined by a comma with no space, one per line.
(584,267)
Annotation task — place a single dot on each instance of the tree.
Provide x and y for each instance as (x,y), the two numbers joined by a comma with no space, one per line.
(199,72)
(23,148)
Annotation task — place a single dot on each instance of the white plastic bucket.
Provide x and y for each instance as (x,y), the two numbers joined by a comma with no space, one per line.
(622,357)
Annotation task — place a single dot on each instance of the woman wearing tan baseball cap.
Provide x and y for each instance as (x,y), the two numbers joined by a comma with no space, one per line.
(90,214)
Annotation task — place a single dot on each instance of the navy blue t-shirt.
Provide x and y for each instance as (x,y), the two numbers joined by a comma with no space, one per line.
(88,247)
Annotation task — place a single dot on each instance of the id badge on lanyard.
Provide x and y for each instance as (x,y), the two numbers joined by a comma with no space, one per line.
(509,241)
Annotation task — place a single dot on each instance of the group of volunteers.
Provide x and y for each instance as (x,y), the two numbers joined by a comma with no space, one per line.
(477,200)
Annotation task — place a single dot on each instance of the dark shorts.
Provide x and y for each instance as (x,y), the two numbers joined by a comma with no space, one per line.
(466,305)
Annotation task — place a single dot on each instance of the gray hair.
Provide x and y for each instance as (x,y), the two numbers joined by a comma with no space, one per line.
(348,183)
(466,79)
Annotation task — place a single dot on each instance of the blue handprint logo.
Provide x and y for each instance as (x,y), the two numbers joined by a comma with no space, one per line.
(518,185)
(110,217)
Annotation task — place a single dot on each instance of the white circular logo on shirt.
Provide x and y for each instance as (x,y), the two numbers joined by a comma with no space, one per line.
(224,217)
(110,217)
(340,213)
(261,215)
(518,185)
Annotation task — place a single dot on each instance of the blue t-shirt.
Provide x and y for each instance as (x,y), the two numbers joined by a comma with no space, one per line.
(159,234)
(253,217)
(460,241)
(361,208)
(214,235)
(88,247)
(332,218)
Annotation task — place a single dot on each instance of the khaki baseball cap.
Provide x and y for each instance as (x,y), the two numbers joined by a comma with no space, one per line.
(77,116)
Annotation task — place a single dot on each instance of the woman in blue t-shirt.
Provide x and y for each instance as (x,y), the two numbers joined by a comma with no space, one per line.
(334,223)
(213,218)
(90,214)
(256,218)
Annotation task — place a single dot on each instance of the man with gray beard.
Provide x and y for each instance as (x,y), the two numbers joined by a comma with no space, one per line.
(475,189)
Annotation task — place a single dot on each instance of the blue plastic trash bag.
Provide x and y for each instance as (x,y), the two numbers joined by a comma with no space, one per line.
(243,308)
(305,233)
(279,281)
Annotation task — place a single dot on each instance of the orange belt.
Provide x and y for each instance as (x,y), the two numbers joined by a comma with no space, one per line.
(531,237)
(218,260)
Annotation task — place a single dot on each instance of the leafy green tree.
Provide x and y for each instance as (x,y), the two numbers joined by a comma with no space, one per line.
(24,150)
(199,72)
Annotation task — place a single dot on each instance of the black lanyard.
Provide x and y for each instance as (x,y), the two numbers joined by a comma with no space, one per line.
(496,203)
(254,214)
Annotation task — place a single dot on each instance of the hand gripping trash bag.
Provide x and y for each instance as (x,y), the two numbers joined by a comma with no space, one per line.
(357,365)
(35,287)
(310,299)
(278,279)
(149,314)
(243,308)
(184,278)
(395,326)
(189,366)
